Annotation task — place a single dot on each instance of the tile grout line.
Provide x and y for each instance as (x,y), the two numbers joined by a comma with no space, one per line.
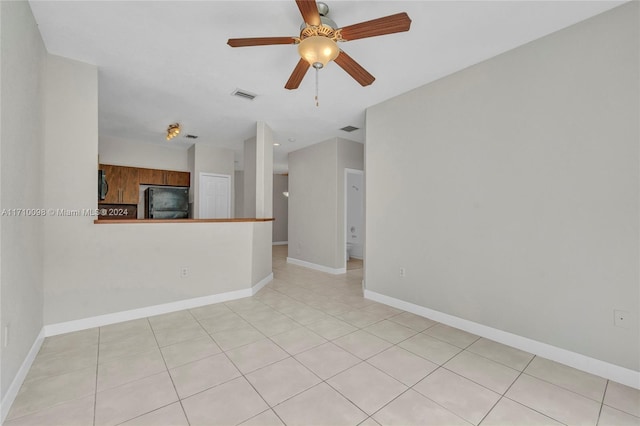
(312,372)
(519,375)
(504,395)
(424,396)
(387,374)
(168,373)
(442,366)
(570,390)
(242,374)
(362,361)
(363,328)
(606,386)
(337,373)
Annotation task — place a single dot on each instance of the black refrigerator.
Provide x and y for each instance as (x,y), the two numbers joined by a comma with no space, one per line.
(166,203)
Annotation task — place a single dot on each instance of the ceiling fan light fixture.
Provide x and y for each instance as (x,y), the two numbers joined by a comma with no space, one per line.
(318,50)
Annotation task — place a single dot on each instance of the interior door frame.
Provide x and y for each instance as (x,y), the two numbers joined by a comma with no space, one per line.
(201,190)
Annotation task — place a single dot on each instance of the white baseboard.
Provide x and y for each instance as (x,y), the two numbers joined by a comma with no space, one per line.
(101,320)
(266,280)
(15,385)
(280,243)
(322,268)
(600,368)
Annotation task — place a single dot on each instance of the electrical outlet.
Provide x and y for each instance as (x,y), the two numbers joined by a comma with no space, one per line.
(403,272)
(184,272)
(621,319)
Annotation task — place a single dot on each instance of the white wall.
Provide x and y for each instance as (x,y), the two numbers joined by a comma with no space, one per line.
(280,209)
(191,166)
(313,204)
(95,269)
(210,159)
(261,254)
(71,155)
(138,265)
(238,192)
(146,155)
(249,178)
(264,170)
(510,190)
(316,201)
(258,174)
(21,164)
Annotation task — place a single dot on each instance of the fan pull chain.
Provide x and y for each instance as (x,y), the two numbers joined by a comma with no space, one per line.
(317,102)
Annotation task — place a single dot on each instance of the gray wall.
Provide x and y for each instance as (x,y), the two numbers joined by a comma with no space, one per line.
(509,191)
(280,209)
(316,200)
(21,155)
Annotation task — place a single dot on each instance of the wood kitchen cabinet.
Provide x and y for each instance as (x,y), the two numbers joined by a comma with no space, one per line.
(178,178)
(151,176)
(164,177)
(123,184)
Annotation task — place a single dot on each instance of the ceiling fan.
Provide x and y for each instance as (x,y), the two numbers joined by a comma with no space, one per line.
(317,43)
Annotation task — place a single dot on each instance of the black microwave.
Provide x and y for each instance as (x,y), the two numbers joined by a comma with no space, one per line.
(103,186)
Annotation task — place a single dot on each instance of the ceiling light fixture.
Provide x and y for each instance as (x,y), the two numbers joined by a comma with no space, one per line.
(318,50)
(318,43)
(318,39)
(276,144)
(173,130)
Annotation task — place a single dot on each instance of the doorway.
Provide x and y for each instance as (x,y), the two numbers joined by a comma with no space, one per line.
(215,196)
(353,217)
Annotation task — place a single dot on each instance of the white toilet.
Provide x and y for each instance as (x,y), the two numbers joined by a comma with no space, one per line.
(348,251)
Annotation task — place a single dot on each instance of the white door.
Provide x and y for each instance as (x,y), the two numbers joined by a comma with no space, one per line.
(215,196)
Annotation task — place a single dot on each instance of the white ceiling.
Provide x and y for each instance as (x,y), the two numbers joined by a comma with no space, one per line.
(162,62)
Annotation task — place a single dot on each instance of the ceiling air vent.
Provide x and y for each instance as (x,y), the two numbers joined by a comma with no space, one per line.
(244,94)
(349,128)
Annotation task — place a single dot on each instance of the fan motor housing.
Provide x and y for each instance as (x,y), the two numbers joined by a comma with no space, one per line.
(323,11)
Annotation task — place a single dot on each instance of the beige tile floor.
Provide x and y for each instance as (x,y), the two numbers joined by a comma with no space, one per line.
(306,350)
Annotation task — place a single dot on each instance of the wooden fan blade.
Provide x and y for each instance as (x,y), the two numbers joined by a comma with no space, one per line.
(388,25)
(309,11)
(297,75)
(354,69)
(260,41)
